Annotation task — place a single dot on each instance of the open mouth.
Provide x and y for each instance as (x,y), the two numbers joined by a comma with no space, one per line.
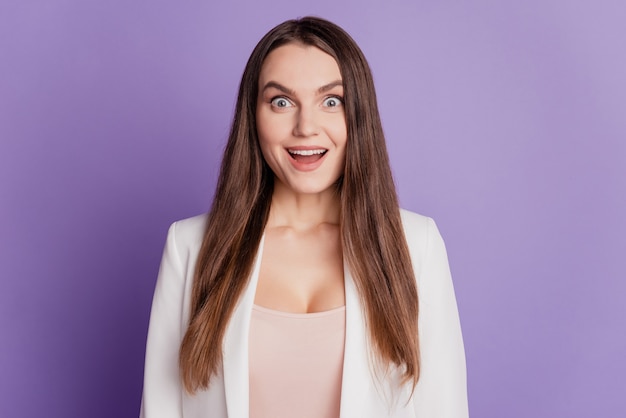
(307,156)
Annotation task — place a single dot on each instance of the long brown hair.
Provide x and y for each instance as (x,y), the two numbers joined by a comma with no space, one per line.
(372,237)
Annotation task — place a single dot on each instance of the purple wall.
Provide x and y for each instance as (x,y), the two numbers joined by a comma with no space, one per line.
(505,122)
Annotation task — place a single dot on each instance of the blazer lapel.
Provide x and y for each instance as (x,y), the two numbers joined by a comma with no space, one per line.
(235,356)
(356,380)
(361,394)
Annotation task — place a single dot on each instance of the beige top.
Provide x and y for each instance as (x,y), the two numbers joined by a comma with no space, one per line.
(296,363)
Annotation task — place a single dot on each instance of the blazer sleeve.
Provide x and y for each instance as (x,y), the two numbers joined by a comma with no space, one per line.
(442,388)
(162,388)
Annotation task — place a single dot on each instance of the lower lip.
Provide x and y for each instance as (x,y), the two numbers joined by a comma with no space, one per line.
(301,166)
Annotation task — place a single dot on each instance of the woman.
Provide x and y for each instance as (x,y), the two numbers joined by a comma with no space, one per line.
(297,295)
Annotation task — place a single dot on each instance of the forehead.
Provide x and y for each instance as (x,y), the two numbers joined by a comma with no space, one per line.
(299,66)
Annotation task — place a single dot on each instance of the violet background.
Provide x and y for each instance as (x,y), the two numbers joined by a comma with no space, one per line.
(505,121)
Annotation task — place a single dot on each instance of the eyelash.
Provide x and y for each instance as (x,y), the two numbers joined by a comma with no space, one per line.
(279,98)
(336,97)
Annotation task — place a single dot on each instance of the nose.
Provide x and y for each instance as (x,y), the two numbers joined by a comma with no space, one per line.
(306,123)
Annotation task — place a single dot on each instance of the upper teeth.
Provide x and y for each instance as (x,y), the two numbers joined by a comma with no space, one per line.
(307,151)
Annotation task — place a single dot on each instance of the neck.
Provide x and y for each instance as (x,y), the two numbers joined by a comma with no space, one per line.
(303,211)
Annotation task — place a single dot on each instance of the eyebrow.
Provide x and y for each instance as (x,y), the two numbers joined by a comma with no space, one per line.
(286,90)
(330,86)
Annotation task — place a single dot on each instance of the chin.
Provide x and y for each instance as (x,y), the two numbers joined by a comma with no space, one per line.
(312,188)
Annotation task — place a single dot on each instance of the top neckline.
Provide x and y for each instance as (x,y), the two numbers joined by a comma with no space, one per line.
(300,315)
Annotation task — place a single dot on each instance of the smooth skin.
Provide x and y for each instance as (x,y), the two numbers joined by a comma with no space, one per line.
(300,111)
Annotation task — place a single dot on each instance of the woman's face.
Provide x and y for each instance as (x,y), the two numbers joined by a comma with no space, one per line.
(300,118)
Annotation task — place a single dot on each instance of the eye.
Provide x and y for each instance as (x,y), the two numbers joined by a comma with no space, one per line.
(332,101)
(280,102)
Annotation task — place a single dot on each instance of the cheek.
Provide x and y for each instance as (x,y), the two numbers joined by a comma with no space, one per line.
(340,133)
(266,148)
(264,136)
(342,141)
(271,130)
(269,146)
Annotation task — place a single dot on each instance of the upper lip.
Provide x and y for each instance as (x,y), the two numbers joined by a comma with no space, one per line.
(312,149)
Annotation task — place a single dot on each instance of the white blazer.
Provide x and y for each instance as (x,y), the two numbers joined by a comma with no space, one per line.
(440,393)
